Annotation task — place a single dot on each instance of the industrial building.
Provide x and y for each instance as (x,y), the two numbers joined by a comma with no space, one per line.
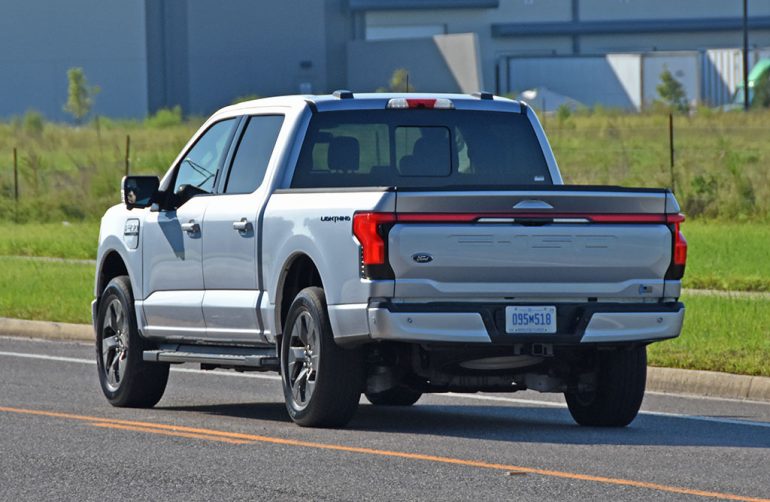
(202,54)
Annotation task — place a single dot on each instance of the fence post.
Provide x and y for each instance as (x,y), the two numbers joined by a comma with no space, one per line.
(15,185)
(128,152)
(671,149)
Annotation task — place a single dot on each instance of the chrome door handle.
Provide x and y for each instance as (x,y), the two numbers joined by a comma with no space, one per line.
(242,226)
(191,227)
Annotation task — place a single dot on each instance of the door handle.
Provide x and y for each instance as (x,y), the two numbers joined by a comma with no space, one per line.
(191,227)
(242,226)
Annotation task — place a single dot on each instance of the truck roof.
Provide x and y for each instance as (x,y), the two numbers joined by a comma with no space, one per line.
(346,100)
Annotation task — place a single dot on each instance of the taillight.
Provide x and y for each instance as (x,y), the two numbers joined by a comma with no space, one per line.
(679,253)
(371,230)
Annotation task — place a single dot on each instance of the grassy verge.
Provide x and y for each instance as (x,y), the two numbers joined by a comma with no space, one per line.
(720,161)
(76,240)
(52,291)
(728,256)
(720,334)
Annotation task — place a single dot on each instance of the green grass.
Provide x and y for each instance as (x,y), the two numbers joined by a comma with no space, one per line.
(720,334)
(727,256)
(76,240)
(720,167)
(73,173)
(41,290)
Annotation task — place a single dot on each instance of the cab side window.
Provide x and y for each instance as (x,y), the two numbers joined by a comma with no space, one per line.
(202,162)
(253,153)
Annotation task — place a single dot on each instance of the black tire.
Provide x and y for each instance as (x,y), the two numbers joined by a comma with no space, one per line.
(397,396)
(126,379)
(333,376)
(621,379)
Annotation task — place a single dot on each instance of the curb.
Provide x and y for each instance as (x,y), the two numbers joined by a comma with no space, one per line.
(46,330)
(666,380)
(708,383)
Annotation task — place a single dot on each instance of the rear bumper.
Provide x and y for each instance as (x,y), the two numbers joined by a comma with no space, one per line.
(587,323)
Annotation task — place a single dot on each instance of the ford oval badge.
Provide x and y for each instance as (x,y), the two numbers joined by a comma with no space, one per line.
(422,258)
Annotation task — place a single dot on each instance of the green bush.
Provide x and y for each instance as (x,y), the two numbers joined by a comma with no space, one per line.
(33,123)
(165,117)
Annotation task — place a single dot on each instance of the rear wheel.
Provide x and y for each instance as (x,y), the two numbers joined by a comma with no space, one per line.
(615,401)
(126,379)
(321,381)
(397,396)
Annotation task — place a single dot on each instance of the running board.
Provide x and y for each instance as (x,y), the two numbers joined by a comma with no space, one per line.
(209,357)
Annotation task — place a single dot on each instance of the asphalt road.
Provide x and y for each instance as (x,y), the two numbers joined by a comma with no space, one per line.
(222,435)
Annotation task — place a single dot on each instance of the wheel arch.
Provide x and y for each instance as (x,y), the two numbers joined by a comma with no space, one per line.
(112,265)
(299,272)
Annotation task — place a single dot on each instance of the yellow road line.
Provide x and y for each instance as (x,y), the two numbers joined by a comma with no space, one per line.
(152,430)
(213,434)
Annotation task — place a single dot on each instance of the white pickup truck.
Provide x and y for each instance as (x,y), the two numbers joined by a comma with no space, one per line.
(391,245)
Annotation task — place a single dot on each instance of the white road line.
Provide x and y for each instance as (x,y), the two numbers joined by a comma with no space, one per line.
(706,398)
(483,397)
(176,370)
(48,358)
(513,400)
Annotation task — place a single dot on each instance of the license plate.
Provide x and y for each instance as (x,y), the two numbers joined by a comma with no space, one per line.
(530,319)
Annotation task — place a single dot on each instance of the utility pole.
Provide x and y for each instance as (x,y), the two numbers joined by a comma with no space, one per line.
(745,55)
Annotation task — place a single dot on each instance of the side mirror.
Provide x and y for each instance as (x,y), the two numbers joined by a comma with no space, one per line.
(139,191)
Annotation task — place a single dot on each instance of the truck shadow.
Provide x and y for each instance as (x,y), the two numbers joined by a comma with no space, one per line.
(515,424)
(547,425)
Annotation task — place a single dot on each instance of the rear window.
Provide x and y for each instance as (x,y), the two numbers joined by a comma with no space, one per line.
(420,148)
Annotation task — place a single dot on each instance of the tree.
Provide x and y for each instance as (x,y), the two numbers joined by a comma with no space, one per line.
(672,92)
(399,82)
(80,96)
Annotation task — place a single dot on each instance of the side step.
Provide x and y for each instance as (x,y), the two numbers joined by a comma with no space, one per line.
(210,357)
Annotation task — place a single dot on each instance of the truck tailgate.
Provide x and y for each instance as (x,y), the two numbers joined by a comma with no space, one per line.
(561,243)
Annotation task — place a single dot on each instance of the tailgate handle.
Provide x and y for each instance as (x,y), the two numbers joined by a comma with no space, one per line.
(533,204)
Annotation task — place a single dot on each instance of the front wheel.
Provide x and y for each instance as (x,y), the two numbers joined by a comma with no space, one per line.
(617,396)
(321,381)
(126,379)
